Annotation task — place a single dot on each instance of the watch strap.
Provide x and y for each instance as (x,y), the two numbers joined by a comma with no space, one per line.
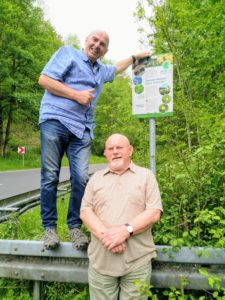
(129,228)
(133,59)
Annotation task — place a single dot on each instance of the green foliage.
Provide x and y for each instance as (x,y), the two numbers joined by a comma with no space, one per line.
(191,145)
(28,136)
(70,291)
(72,40)
(143,288)
(22,290)
(24,50)
(113,114)
(192,186)
(115,98)
(28,227)
(15,290)
(214,282)
(175,294)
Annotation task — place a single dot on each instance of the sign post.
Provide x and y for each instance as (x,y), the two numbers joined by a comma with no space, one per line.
(21,151)
(152,91)
(152,145)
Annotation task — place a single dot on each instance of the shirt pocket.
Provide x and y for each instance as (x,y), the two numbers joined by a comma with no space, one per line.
(136,196)
(82,77)
(100,203)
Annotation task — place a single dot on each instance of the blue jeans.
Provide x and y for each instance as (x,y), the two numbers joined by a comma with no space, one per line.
(56,139)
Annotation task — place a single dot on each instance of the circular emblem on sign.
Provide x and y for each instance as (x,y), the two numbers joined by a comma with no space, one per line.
(137,80)
(139,88)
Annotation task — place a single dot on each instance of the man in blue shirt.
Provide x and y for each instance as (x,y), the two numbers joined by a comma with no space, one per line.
(73,81)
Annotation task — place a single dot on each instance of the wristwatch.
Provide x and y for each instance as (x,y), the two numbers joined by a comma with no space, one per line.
(133,59)
(129,228)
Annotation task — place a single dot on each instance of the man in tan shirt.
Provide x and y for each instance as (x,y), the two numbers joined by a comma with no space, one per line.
(119,207)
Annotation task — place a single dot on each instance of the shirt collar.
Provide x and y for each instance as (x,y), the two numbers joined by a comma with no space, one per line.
(131,167)
(86,59)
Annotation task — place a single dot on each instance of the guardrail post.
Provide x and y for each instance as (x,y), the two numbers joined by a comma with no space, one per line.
(37,290)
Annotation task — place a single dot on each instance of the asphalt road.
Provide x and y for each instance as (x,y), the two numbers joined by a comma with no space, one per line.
(18,182)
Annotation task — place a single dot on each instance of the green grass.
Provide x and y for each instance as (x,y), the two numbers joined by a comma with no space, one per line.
(28,136)
(94,159)
(15,161)
(28,225)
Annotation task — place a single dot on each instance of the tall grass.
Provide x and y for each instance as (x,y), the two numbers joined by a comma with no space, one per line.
(28,227)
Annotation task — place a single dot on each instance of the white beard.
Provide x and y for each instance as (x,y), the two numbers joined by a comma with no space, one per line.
(117,164)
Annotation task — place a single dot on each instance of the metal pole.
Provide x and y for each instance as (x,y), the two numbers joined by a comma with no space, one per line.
(37,290)
(152,145)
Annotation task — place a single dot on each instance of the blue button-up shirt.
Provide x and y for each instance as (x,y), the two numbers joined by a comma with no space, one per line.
(73,68)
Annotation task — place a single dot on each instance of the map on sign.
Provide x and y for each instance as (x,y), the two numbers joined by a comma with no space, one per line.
(152,86)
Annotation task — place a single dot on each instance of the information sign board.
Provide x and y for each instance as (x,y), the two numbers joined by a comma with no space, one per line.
(152,86)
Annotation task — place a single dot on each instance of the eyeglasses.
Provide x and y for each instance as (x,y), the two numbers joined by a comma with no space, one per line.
(117,148)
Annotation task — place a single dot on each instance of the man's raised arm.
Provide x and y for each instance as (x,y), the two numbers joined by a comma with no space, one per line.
(125,63)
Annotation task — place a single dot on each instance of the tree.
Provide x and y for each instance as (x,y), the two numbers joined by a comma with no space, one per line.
(197,47)
(191,145)
(26,43)
(114,114)
(72,40)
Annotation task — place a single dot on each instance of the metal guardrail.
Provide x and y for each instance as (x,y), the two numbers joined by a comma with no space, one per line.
(30,261)
(21,203)
(20,259)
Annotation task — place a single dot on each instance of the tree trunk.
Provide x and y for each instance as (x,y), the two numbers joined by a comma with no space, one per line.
(11,108)
(8,125)
(1,127)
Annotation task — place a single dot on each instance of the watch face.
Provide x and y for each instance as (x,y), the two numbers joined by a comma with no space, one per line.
(129,228)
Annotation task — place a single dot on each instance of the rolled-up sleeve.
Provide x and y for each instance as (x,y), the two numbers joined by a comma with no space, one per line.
(59,64)
(109,73)
(153,198)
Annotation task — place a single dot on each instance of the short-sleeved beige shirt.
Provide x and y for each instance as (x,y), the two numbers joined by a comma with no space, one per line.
(115,199)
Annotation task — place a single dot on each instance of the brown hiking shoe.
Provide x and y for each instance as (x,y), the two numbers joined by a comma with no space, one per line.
(51,239)
(78,238)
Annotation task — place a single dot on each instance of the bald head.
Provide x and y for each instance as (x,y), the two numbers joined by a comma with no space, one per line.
(118,152)
(117,138)
(102,33)
(96,45)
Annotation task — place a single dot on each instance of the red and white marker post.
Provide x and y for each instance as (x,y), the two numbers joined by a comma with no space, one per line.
(21,151)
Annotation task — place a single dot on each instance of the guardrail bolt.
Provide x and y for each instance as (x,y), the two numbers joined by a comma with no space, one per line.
(15,249)
(42,275)
(16,273)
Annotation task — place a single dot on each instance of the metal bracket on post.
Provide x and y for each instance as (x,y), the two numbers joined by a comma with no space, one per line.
(152,145)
